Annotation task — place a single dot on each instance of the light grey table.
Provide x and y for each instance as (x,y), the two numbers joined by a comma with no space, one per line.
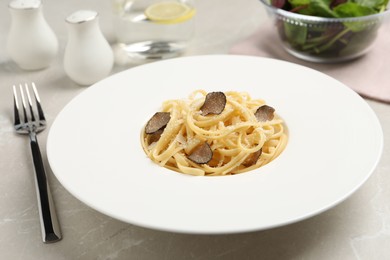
(358,228)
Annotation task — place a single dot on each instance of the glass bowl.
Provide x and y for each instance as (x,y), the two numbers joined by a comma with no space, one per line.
(326,40)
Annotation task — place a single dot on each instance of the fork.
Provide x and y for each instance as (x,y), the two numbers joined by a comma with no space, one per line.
(31,120)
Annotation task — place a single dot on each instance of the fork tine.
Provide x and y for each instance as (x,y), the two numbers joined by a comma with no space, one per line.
(29,103)
(24,104)
(38,101)
(16,107)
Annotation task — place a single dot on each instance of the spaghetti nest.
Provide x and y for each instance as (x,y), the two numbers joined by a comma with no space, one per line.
(238,139)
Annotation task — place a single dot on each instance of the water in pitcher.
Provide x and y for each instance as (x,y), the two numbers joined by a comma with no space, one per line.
(153,29)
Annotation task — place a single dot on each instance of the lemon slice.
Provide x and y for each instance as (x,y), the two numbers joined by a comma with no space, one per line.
(169,12)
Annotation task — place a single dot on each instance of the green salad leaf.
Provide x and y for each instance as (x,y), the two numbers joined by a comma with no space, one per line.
(351,9)
(336,8)
(377,5)
(322,8)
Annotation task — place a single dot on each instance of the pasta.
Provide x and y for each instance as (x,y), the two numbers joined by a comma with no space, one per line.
(237,140)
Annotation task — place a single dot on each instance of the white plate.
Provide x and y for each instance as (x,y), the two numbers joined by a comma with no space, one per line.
(335,142)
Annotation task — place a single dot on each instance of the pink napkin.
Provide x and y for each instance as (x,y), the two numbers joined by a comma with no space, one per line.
(369,75)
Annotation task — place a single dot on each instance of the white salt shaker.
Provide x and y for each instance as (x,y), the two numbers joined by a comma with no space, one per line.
(31,43)
(88,56)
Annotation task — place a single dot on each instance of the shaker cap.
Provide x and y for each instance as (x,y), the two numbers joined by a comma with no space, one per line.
(81,16)
(25,4)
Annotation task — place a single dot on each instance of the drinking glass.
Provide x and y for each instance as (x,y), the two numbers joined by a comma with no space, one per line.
(153,29)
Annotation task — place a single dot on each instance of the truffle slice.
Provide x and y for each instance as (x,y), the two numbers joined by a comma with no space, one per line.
(214,104)
(265,113)
(201,154)
(154,137)
(252,159)
(158,121)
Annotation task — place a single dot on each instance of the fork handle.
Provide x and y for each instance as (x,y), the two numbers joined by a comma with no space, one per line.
(48,217)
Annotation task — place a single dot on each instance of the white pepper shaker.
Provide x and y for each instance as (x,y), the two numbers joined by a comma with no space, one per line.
(88,56)
(31,43)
